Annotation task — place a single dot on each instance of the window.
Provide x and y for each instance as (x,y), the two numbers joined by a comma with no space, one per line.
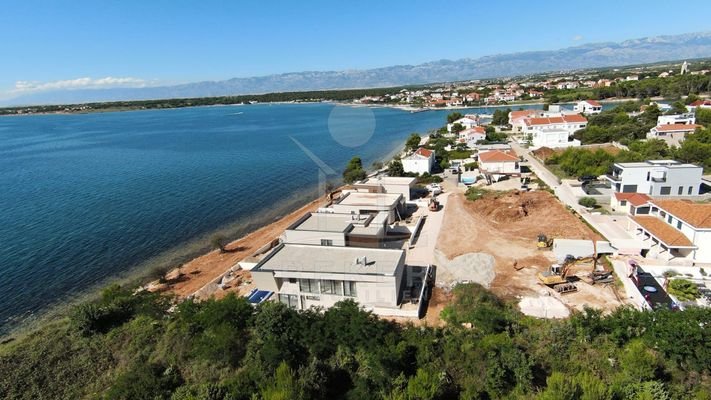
(691,190)
(292,280)
(308,285)
(326,242)
(681,190)
(669,219)
(648,175)
(349,288)
(678,225)
(623,203)
(289,299)
(665,190)
(331,287)
(314,298)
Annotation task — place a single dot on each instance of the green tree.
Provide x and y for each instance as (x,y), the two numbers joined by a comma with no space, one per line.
(501,117)
(354,171)
(218,241)
(395,168)
(283,386)
(425,385)
(453,117)
(413,142)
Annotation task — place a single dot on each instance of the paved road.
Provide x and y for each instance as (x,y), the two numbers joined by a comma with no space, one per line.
(423,252)
(561,191)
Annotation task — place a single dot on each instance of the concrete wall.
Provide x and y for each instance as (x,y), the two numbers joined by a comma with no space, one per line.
(313,237)
(675,177)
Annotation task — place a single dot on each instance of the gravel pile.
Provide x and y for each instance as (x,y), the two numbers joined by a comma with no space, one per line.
(543,307)
(470,267)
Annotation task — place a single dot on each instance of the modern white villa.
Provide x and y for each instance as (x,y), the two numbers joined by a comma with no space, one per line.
(387,184)
(677,119)
(588,107)
(303,276)
(419,162)
(327,228)
(392,204)
(656,178)
(677,229)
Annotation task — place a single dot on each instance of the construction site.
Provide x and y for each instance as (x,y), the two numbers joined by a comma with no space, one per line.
(504,241)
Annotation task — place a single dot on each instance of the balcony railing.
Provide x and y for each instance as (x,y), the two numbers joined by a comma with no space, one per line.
(616,178)
(659,179)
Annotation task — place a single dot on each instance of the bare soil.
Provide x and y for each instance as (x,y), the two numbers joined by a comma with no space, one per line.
(506,226)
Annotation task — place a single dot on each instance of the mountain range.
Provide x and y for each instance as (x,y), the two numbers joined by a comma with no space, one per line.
(595,55)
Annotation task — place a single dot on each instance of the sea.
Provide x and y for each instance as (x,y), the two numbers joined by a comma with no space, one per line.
(90,198)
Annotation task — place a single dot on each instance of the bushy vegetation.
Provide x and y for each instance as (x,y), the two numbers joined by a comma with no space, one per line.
(227,349)
(683,289)
(587,202)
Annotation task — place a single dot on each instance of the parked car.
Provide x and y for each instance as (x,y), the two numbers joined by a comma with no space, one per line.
(434,188)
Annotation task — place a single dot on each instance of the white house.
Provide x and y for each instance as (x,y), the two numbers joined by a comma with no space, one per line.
(472,136)
(305,276)
(627,203)
(516,118)
(499,162)
(706,104)
(370,203)
(387,184)
(588,107)
(327,228)
(677,119)
(467,122)
(677,229)
(419,162)
(552,138)
(656,178)
(567,122)
(673,134)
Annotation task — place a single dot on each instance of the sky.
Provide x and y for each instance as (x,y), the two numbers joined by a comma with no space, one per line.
(54,44)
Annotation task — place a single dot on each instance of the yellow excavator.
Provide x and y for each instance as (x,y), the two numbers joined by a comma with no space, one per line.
(543,242)
(557,276)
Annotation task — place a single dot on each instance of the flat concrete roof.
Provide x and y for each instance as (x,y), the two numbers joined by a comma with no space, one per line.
(579,248)
(656,163)
(391,180)
(325,222)
(370,199)
(331,260)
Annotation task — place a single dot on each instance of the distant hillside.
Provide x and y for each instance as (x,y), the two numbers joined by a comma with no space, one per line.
(638,51)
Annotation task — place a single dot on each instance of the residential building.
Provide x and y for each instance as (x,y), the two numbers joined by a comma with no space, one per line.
(552,138)
(588,107)
(467,122)
(352,202)
(327,228)
(566,122)
(699,104)
(472,136)
(677,119)
(303,276)
(387,184)
(656,178)
(499,162)
(516,118)
(677,229)
(628,203)
(419,162)
(672,134)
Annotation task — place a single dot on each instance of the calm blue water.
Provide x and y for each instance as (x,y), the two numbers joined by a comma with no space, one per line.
(88,197)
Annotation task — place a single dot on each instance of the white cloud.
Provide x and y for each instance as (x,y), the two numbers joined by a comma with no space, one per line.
(577,38)
(79,83)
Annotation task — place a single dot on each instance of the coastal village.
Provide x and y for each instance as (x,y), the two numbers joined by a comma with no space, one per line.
(494,212)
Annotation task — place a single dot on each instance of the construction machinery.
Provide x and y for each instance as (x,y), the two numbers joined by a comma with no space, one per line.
(557,276)
(434,204)
(544,242)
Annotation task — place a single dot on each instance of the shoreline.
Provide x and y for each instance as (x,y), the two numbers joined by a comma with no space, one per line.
(246,234)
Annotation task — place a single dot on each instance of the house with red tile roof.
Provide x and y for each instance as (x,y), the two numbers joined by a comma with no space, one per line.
(588,107)
(699,104)
(676,229)
(472,136)
(673,134)
(499,162)
(567,122)
(419,162)
(627,203)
